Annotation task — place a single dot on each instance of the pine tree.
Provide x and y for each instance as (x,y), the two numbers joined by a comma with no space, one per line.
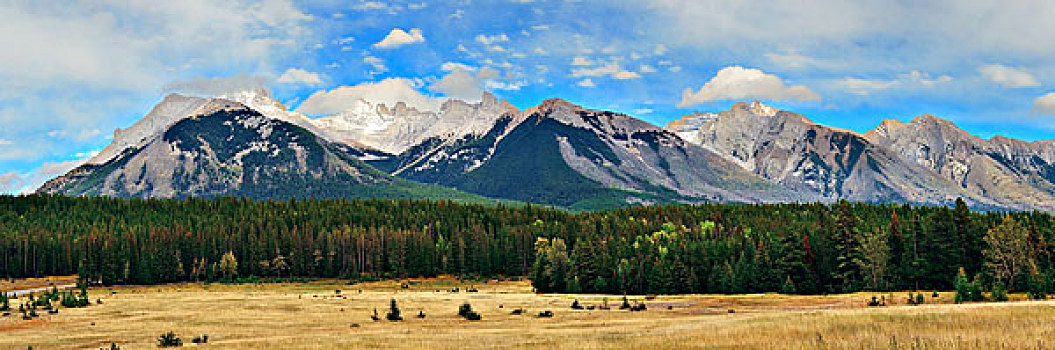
(847,270)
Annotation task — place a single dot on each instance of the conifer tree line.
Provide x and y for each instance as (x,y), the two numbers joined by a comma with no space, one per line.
(790,248)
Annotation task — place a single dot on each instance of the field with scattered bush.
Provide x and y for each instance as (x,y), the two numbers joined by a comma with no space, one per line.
(334,314)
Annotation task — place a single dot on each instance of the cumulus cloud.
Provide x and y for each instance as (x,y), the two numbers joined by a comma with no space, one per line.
(586,83)
(469,84)
(1045,104)
(388,91)
(644,68)
(738,83)
(1008,76)
(217,86)
(397,37)
(300,76)
(913,79)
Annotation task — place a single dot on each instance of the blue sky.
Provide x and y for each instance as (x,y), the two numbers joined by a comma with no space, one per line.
(73,71)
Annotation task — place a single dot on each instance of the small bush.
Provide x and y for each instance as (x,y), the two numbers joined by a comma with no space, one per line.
(625,305)
(203,339)
(466,311)
(517,312)
(169,340)
(575,305)
(546,313)
(393,312)
(421,313)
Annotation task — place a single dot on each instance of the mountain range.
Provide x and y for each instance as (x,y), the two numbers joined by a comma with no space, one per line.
(557,154)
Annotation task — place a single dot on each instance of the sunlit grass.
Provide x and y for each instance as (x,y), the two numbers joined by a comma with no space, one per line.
(312,316)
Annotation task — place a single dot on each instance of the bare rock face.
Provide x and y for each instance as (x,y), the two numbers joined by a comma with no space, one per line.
(225,148)
(394,129)
(561,154)
(808,157)
(176,107)
(1011,172)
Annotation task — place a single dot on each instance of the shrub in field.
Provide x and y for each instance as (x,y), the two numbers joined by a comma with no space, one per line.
(393,312)
(203,339)
(575,305)
(421,313)
(625,305)
(466,311)
(546,313)
(375,317)
(5,302)
(168,340)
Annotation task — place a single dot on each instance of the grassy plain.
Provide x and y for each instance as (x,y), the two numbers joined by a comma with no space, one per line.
(313,316)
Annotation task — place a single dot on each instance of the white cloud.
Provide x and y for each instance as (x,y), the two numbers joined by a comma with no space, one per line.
(586,83)
(866,86)
(624,74)
(387,91)
(644,68)
(540,51)
(464,84)
(581,61)
(138,45)
(643,111)
(609,69)
(77,134)
(211,87)
(609,50)
(397,37)
(377,64)
(738,83)
(4,142)
(370,6)
(1045,104)
(492,39)
(344,40)
(540,27)
(913,79)
(449,66)
(1008,76)
(674,69)
(794,61)
(300,76)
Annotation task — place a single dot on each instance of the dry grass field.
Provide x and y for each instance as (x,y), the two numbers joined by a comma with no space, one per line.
(312,316)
